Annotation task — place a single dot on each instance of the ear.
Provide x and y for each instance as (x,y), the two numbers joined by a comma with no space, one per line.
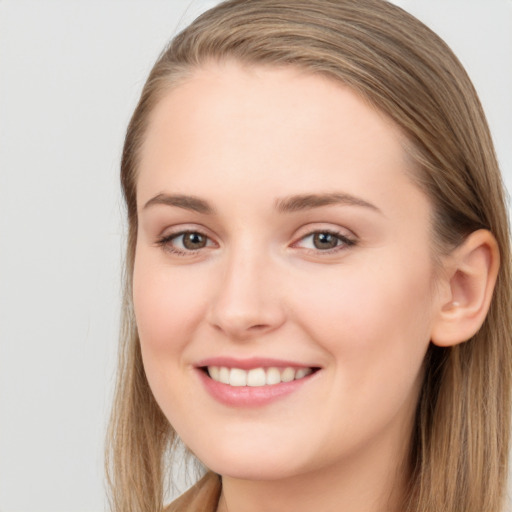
(469,278)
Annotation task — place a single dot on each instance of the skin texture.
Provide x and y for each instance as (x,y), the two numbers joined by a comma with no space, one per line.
(243,141)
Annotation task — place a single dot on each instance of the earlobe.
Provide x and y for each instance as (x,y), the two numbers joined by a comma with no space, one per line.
(471,273)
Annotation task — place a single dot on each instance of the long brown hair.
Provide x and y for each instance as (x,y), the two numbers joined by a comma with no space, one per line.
(459,449)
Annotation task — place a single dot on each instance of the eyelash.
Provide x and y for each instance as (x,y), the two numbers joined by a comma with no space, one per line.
(166,242)
(343,242)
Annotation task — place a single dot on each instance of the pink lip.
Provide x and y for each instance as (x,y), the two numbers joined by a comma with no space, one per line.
(247,396)
(250,363)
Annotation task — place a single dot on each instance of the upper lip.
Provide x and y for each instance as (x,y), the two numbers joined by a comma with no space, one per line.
(252,362)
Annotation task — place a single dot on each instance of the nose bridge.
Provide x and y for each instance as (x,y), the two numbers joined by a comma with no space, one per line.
(247,300)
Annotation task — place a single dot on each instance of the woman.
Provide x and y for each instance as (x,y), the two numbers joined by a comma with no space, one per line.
(318,269)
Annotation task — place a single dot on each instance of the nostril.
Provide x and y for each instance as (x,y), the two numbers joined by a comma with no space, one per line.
(258,327)
(241,318)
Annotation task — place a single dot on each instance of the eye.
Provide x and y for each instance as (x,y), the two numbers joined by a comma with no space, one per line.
(324,241)
(185,242)
(191,241)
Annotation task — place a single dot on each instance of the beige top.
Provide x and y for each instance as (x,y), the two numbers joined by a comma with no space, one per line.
(202,497)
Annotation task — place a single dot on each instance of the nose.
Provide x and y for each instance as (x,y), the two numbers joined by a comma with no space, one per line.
(247,302)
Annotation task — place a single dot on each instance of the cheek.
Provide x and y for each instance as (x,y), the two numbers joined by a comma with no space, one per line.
(366,297)
(167,304)
(375,323)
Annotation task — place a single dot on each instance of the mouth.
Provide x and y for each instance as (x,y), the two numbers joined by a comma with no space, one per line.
(257,377)
(253,382)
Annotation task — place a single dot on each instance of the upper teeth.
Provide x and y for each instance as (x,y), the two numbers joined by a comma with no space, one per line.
(256,376)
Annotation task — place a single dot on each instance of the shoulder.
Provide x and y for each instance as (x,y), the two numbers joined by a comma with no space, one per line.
(202,497)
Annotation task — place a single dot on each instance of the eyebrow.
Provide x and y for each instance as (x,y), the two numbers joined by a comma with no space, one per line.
(182,201)
(308,201)
(284,205)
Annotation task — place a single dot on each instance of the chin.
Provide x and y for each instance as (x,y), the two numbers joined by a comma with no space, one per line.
(250,464)
(253,471)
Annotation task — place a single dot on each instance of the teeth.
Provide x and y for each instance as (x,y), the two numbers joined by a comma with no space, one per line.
(288,375)
(214,373)
(302,372)
(273,376)
(257,376)
(223,375)
(237,377)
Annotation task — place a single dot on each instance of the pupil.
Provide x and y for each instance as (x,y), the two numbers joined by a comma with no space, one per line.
(324,241)
(194,241)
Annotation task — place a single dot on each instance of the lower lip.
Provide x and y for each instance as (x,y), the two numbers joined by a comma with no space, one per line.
(248,396)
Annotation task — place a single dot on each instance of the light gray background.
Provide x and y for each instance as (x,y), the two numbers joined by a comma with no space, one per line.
(70,75)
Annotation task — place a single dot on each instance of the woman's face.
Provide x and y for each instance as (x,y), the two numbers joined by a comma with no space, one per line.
(283,281)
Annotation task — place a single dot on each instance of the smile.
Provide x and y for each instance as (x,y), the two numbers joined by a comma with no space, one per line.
(256,377)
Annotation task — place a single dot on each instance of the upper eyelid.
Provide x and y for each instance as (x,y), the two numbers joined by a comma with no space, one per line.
(166,238)
(344,239)
(324,227)
(179,229)
(166,244)
(308,230)
(179,233)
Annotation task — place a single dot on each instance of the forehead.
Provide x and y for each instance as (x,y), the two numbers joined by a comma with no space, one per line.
(274,131)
